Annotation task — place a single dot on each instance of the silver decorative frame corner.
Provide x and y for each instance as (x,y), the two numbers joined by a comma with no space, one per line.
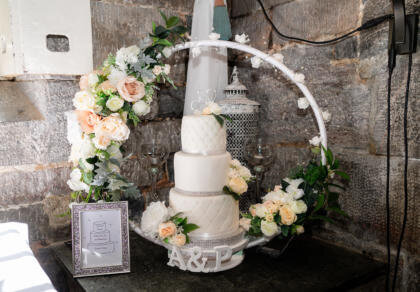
(78,271)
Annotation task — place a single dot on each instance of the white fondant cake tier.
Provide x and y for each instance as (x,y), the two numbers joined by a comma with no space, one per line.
(216,215)
(200,173)
(202,134)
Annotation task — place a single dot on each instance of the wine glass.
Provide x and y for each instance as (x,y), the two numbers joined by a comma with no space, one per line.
(156,155)
(260,155)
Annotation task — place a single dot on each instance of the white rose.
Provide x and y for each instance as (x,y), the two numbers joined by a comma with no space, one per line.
(261,210)
(299,207)
(245,223)
(241,38)
(141,108)
(235,163)
(214,36)
(288,217)
(279,57)
(155,214)
(245,173)
(233,172)
(167,52)
(212,107)
(238,185)
(115,103)
(303,103)
(83,149)
(93,79)
(83,100)
(75,182)
(157,70)
(315,141)
(269,228)
(299,77)
(116,76)
(256,62)
(167,69)
(326,116)
(101,141)
(126,56)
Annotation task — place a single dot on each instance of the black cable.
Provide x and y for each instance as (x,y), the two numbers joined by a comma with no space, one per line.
(391,66)
(366,25)
(407,92)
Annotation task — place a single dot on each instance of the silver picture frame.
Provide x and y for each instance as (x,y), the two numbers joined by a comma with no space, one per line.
(119,246)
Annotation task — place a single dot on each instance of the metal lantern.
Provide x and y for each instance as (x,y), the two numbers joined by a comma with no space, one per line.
(244,114)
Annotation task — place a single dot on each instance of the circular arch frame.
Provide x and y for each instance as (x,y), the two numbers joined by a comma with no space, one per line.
(267,58)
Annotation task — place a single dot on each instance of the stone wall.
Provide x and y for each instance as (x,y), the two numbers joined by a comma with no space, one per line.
(347,78)
(350,80)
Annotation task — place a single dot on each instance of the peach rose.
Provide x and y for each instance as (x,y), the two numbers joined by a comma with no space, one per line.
(271,207)
(112,127)
(178,240)
(106,85)
(83,82)
(238,185)
(101,142)
(288,217)
(87,120)
(166,229)
(131,89)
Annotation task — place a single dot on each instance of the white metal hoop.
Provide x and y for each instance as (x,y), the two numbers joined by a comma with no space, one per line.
(286,71)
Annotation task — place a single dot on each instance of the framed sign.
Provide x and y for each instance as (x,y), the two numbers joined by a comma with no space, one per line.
(100,239)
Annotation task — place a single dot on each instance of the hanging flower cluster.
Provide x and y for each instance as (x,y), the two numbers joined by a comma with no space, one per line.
(110,99)
(237,179)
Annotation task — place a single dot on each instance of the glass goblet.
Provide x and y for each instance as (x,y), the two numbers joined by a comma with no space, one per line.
(156,155)
(259,155)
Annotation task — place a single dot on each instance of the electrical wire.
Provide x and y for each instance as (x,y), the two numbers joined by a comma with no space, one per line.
(391,65)
(407,92)
(366,25)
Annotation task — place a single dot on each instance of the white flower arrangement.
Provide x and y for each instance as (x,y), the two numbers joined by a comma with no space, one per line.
(256,62)
(215,110)
(242,38)
(237,179)
(303,103)
(158,221)
(110,99)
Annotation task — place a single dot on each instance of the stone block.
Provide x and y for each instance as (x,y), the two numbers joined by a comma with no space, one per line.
(316,19)
(347,49)
(32,183)
(256,27)
(376,8)
(246,7)
(171,102)
(118,24)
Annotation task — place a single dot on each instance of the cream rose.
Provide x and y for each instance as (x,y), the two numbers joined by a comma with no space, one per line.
(141,108)
(112,127)
(84,101)
(269,228)
(269,217)
(178,240)
(106,85)
(245,173)
(238,185)
(130,89)
(271,207)
(166,229)
(299,207)
(288,217)
(83,82)
(277,188)
(101,141)
(299,229)
(253,210)
(261,210)
(157,70)
(114,103)
(75,183)
(245,223)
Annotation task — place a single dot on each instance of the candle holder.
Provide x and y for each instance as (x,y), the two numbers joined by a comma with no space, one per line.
(156,155)
(260,155)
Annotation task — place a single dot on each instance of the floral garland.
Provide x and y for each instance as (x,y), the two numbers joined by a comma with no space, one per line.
(297,200)
(109,100)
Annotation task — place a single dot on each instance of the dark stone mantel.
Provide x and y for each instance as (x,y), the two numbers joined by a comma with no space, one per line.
(307,265)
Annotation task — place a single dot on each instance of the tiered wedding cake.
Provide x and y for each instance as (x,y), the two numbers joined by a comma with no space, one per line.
(201,170)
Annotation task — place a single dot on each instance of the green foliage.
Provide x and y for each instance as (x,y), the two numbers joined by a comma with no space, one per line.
(221,118)
(228,191)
